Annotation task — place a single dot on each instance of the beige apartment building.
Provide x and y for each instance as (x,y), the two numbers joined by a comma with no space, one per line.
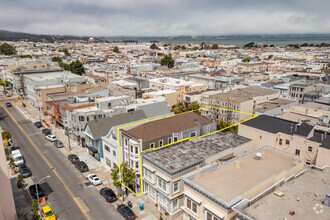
(172,97)
(311,144)
(211,192)
(181,86)
(163,168)
(239,100)
(42,92)
(297,91)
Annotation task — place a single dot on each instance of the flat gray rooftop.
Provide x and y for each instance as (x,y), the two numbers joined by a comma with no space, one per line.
(169,158)
(304,187)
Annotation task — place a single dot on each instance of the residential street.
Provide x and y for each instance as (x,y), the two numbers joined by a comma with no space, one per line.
(67,194)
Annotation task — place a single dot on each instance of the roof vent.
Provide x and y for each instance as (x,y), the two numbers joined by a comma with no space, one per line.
(258,156)
(208,146)
(326,200)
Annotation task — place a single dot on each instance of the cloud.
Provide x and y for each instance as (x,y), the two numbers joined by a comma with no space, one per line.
(165,18)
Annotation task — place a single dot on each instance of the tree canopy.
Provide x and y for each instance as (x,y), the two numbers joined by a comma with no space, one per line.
(127,175)
(215,47)
(116,49)
(250,45)
(66,52)
(7,49)
(222,124)
(75,67)
(167,61)
(154,47)
(246,60)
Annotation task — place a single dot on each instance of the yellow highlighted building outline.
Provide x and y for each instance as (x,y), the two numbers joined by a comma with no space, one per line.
(254,116)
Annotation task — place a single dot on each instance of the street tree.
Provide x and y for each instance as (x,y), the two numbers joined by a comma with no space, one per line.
(246,60)
(223,124)
(35,209)
(195,107)
(77,67)
(20,182)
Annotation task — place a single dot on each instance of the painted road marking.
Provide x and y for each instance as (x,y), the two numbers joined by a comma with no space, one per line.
(50,166)
(189,139)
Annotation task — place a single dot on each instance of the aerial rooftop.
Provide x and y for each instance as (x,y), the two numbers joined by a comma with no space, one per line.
(172,160)
(227,183)
(310,188)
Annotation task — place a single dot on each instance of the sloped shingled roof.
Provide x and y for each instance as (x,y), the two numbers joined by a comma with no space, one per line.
(159,128)
(101,127)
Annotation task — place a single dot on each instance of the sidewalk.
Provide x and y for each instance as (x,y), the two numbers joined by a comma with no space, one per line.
(150,212)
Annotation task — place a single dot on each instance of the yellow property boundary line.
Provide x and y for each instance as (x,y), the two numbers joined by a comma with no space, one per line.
(189,139)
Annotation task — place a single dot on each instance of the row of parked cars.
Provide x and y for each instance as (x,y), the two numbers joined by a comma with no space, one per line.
(48,135)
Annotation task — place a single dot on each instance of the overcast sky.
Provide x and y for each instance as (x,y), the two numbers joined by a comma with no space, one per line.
(165,17)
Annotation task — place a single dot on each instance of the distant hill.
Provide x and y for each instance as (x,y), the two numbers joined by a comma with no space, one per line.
(17,36)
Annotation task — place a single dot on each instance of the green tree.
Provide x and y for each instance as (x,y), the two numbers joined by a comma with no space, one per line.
(66,52)
(35,209)
(246,60)
(6,135)
(257,57)
(178,108)
(195,107)
(249,45)
(183,47)
(154,47)
(215,47)
(222,124)
(20,182)
(116,49)
(7,49)
(272,45)
(12,163)
(187,56)
(195,48)
(56,59)
(177,47)
(77,67)
(114,175)
(167,61)
(160,54)
(25,56)
(270,56)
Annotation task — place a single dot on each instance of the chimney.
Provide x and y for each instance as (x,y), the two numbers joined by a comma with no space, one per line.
(322,137)
(295,127)
(238,162)
(291,128)
(325,135)
(198,173)
(208,146)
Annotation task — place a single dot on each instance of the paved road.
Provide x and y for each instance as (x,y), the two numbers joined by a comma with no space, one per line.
(64,177)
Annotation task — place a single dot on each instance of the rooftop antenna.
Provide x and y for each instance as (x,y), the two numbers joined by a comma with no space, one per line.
(183,153)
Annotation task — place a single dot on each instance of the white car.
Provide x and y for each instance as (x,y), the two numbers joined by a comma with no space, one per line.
(94,179)
(51,137)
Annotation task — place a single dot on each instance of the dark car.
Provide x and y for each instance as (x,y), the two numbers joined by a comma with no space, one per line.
(46,131)
(38,124)
(25,171)
(126,212)
(73,158)
(81,166)
(8,104)
(13,148)
(58,144)
(108,194)
(36,191)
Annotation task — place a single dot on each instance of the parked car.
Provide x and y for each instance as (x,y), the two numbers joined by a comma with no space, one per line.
(108,194)
(58,144)
(126,212)
(47,213)
(33,192)
(51,137)
(38,124)
(8,104)
(25,171)
(8,94)
(46,131)
(73,158)
(81,166)
(93,178)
